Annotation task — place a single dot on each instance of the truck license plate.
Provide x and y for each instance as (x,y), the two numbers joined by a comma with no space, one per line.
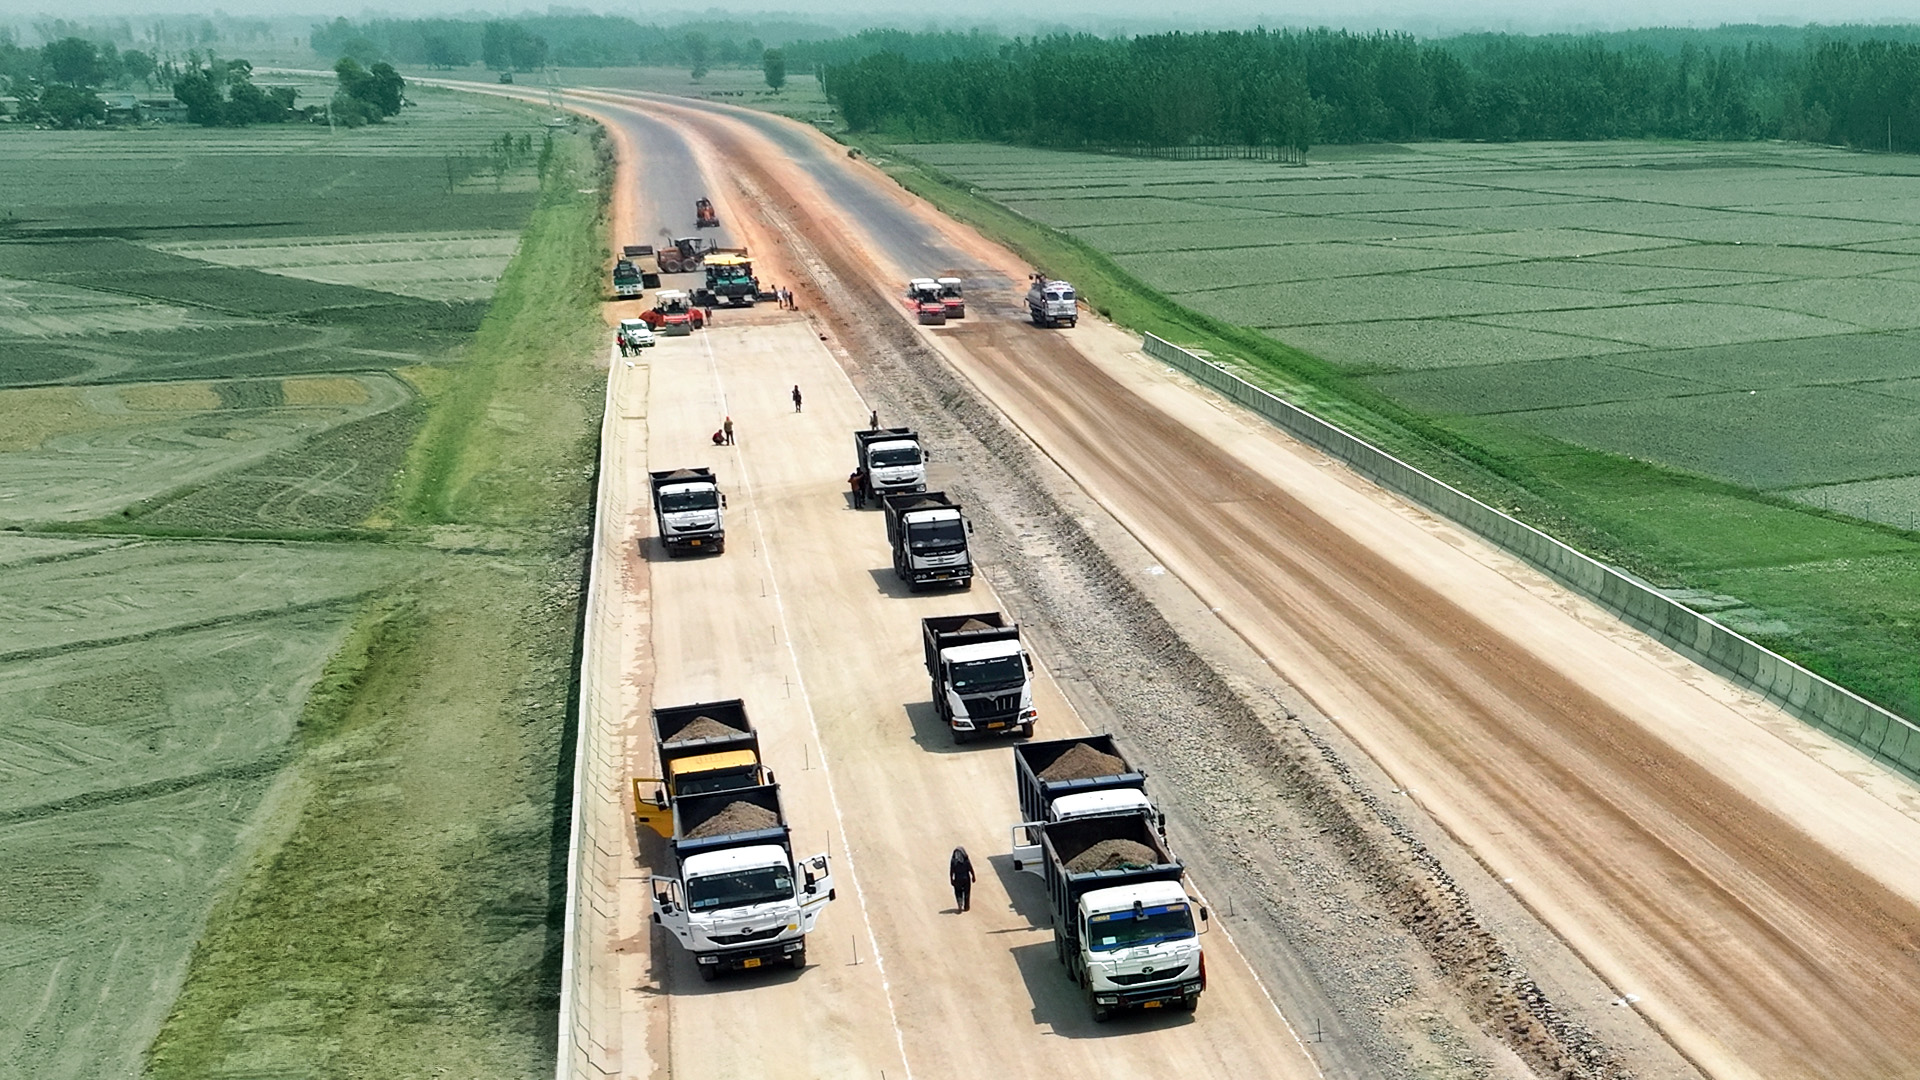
(750,962)
(693,543)
(1000,724)
(1150,1005)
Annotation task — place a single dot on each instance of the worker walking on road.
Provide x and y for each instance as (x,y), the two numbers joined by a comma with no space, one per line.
(960,873)
(727,426)
(873,420)
(796,397)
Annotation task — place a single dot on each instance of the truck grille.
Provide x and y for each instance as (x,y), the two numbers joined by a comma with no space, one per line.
(997,707)
(747,937)
(1139,977)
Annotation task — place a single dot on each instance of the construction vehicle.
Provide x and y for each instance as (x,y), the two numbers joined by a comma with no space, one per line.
(1051,303)
(929,538)
(688,254)
(982,676)
(890,460)
(702,748)
(673,314)
(1122,920)
(703,215)
(688,509)
(737,899)
(730,281)
(952,297)
(923,299)
(1086,776)
(627,283)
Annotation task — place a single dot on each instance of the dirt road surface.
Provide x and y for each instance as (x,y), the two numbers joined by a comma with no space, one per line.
(1746,887)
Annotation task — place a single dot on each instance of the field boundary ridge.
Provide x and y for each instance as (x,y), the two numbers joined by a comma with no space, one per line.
(1881,734)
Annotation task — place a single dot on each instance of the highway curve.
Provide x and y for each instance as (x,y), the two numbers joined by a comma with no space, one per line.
(1753,891)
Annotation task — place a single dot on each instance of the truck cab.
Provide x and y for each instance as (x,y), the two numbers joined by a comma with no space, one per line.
(1142,948)
(1052,303)
(627,282)
(891,459)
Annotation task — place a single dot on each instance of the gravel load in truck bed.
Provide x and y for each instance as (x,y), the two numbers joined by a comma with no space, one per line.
(703,727)
(1083,762)
(737,817)
(973,624)
(1113,855)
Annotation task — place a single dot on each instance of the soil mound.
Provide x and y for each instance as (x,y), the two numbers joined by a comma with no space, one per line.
(973,624)
(1082,762)
(1112,855)
(737,817)
(703,727)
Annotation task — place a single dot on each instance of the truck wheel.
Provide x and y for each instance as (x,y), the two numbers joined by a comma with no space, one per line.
(798,961)
(1102,1013)
(961,738)
(1191,1004)
(1035,316)
(1025,732)
(708,972)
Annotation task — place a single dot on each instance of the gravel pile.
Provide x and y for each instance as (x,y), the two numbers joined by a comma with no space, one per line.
(737,817)
(703,727)
(973,624)
(1083,762)
(1112,855)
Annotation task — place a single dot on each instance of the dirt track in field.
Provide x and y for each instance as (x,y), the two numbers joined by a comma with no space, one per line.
(1752,891)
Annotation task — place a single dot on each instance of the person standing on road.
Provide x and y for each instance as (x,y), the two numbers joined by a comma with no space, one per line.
(873,420)
(960,873)
(796,397)
(857,484)
(727,426)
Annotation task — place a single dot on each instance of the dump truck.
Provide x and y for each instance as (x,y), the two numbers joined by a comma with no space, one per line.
(673,314)
(702,748)
(1123,923)
(982,676)
(730,281)
(923,300)
(627,283)
(891,460)
(688,509)
(929,538)
(952,296)
(703,214)
(1086,776)
(736,898)
(1051,303)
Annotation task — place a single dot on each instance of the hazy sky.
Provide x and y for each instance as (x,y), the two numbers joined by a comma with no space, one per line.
(1419,16)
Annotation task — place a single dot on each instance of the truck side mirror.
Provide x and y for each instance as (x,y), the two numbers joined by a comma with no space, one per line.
(1203,914)
(723,502)
(969,524)
(660,798)
(770,778)
(1029,659)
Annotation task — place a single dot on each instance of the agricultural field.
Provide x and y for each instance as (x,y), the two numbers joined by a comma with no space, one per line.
(1745,313)
(218,350)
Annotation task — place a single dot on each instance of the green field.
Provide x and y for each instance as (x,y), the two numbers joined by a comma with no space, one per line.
(231,649)
(1695,361)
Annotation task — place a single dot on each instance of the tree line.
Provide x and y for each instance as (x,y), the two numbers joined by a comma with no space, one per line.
(578,40)
(59,84)
(1302,88)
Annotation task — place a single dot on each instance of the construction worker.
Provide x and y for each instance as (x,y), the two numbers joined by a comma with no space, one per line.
(796,397)
(960,875)
(873,420)
(857,484)
(727,427)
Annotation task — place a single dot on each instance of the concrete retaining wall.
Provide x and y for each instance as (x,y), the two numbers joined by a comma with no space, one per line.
(1819,702)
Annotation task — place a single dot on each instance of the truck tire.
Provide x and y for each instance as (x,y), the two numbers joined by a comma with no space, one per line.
(961,738)
(1101,1013)
(1034,314)
(708,972)
(1191,1004)
(798,960)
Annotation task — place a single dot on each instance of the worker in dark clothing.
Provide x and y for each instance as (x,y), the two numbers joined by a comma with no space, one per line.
(960,873)
(796,397)
(857,483)
(873,420)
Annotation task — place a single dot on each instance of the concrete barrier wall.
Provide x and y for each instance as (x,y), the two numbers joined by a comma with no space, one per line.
(1822,703)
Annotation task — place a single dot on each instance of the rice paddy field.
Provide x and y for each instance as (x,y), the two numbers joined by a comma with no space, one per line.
(1745,313)
(1697,362)
(217,350)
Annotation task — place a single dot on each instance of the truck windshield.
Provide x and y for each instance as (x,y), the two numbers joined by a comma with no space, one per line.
(739,888)
(975,676)
(1122,930)
(937,536)
(674,502)
(897,455)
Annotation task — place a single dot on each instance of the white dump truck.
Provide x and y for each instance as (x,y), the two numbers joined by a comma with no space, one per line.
(737,899)
(981,674)
(688,510)
(891,459)
(1052,303)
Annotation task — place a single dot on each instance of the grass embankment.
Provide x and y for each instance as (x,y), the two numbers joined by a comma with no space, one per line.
(1836,594)
(406,924)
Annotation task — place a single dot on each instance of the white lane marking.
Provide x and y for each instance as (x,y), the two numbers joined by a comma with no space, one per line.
(840,821)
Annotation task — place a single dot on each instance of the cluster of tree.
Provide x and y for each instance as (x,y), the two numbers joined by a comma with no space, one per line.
(222,94)
(1297,89)
(367,95)
(568,40)
(58,83)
